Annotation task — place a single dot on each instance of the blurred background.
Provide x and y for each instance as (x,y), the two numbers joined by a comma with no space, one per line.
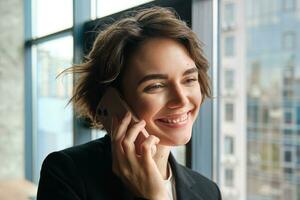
(247,138)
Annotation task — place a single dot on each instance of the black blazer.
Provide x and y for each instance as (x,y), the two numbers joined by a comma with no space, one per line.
(84,172)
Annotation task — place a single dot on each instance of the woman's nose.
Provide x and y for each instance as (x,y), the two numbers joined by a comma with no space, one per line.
(177,97)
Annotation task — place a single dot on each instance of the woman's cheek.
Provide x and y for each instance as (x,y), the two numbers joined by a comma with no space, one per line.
(148,106)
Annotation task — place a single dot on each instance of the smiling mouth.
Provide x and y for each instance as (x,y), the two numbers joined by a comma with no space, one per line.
(182,119)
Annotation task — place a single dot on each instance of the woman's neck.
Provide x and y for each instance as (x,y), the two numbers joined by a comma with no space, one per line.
(161,159)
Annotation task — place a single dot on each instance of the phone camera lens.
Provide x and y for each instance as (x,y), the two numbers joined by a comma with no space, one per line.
(99,112)
(105,113)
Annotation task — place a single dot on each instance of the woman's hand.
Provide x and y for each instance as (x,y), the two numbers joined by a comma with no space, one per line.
(138,172)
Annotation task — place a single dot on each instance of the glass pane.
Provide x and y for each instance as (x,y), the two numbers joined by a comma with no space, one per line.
(229,46)
(229,17)
(54,120)
(229,79)
(229,145)
(51,16)
(105,7)
(260,131)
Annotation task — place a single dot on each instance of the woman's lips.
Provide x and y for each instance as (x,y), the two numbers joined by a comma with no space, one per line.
(178,121)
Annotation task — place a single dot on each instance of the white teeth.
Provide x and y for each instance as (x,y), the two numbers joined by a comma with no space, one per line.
(175,121)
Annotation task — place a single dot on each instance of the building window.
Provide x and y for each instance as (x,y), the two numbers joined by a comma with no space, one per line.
(229,145)
(229,177)
(229,46)
(289,41)
(288,117)
(298,154)
(229,112)
(298,116)
(288,156)
(288,132)
(252,113)
(289,5)
(265,115)
(229,14)
(229,79)
(288,171)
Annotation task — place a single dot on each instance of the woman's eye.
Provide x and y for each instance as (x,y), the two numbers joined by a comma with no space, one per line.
(153,87)
(191,80)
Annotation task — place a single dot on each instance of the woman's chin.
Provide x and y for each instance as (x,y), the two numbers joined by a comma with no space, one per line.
(175,141)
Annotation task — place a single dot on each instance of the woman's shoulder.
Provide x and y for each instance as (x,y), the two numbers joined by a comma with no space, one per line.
(77,171)
(81,156)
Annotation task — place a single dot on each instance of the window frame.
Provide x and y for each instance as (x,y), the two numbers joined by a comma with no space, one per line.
(81,13)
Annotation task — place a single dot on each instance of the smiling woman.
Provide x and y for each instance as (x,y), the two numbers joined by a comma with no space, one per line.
(162,88)
(156,64)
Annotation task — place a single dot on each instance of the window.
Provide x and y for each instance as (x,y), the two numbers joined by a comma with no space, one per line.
(298,115)
(289,5)
(265,115)
(288,132)
(51,16)
(298,155)
(288,171)
(267,92)
(229,45)
(105,7)
(229,176)
(48,51)
(288,117)
(252,113)
(288,156)
(229,79)
(229,112)
(54,120)
(229,145)
(229,14)
(289,41)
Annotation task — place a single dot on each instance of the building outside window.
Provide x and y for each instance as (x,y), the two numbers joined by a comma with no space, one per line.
(288,156)
(229,46)
(288,116)
(229,14)
(229,177)
(229,145)
(229,79)
(265,49)
(289,40)
(229,112)
(298,115)
(289,5)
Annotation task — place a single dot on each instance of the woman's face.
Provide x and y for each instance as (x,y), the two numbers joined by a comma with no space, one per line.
(161,86)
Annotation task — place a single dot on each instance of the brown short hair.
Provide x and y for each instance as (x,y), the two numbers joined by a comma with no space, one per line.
(113,47)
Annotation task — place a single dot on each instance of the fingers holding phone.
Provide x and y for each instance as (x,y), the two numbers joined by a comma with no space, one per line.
(134,168)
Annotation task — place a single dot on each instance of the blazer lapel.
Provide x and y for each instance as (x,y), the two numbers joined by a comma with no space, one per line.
(184,182)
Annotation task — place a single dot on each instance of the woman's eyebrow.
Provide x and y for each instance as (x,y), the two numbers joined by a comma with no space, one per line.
(165,76)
